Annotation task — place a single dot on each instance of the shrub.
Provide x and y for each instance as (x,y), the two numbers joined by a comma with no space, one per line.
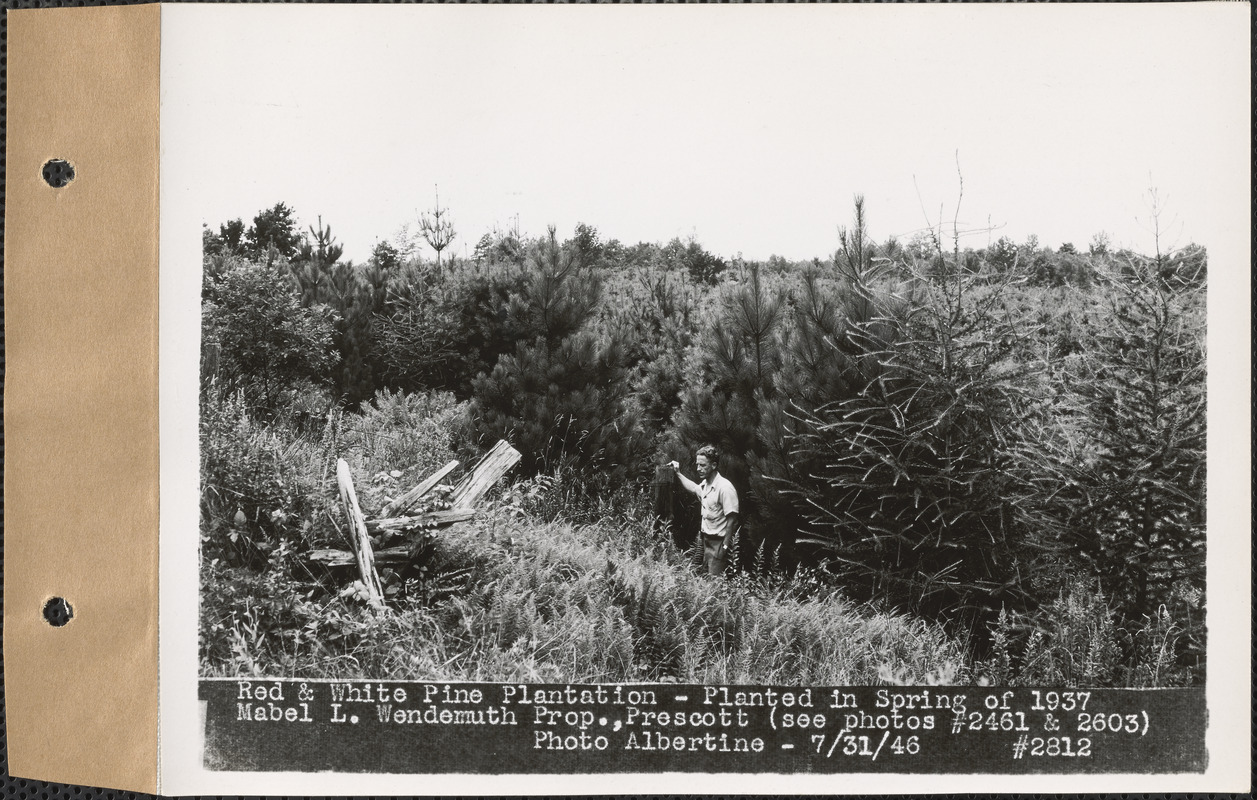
(411,433)
(423,346)
(257,482)
(258,339)
(259,623)
(1077,640)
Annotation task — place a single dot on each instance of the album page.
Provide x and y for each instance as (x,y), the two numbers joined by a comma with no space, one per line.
(733,399)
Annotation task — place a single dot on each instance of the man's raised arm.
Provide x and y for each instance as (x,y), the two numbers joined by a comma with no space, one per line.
(690,486)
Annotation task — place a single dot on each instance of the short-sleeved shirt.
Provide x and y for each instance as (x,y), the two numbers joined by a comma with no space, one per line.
(718,500)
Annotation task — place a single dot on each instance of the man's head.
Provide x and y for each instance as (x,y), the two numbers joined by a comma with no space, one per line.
(707,461)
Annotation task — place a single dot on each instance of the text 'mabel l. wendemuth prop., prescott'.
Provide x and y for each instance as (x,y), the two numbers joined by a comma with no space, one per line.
(416,727)
(105,416)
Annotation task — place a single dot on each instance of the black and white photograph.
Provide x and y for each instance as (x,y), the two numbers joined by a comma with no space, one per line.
(759,352)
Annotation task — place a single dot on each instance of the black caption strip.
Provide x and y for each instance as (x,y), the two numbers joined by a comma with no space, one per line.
(416,727)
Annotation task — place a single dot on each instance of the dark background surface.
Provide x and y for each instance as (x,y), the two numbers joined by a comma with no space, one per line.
(11,787)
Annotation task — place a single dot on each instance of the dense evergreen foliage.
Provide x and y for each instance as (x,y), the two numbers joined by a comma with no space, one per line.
(1008,441)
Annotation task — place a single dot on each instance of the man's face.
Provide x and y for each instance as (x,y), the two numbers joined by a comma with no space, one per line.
(705,468)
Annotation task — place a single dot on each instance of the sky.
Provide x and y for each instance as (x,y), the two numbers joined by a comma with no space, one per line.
(749,128)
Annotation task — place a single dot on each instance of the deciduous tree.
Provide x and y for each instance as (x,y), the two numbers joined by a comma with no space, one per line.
(273,234)
(260,338)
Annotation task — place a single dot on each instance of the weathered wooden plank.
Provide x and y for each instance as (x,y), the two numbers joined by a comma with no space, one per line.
(664,486)
(414,495)
(389,557)
(358,528)
(332,558)
(495,464)
(436,518)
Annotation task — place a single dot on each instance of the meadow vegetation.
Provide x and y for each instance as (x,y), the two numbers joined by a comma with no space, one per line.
(957,465)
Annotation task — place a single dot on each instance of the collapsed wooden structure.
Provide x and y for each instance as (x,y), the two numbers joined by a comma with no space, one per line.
(461,507)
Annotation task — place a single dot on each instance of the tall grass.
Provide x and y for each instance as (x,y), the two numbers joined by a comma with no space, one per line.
(598,603)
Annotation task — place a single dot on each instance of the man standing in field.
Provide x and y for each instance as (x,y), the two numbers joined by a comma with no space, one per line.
(719,507)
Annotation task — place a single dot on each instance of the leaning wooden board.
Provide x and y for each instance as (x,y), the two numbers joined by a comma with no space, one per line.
(488,471)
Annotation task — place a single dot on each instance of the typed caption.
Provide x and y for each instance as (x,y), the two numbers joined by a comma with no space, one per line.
(418,727)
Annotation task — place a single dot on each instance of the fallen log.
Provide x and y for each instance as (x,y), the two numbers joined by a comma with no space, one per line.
(495,464)
(358,531)
(432,519)
(416,494)
(387,557)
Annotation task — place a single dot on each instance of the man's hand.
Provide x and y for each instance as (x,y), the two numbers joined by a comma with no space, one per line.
(686,483)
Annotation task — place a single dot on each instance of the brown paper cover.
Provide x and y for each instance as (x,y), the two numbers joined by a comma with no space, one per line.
(81,444)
